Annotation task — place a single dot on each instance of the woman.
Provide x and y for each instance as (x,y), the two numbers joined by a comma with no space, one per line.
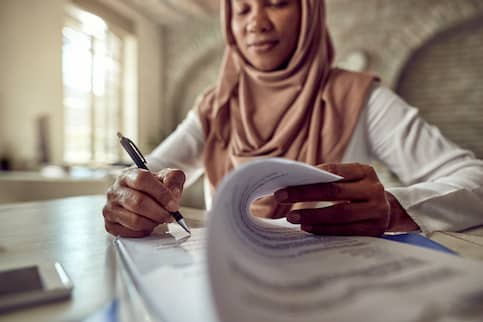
(278,95)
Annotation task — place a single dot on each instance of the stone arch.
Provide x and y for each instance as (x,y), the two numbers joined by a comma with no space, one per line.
(199,75)
(431,81)
(443,16)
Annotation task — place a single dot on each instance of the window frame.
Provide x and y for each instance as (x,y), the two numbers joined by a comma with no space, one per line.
(71,21)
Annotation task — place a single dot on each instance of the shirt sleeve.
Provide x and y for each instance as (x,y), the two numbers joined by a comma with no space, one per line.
(182,149)
(444,183)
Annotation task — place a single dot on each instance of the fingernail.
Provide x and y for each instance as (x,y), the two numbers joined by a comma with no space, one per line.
(293,218)
(172,206)
(281,195)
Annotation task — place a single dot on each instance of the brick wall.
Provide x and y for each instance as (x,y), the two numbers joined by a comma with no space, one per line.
(444,79)
(389,31)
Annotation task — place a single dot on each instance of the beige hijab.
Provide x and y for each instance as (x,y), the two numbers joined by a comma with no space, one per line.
(306,111)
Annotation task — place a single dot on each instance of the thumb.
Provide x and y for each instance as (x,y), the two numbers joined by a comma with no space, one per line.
(174,180)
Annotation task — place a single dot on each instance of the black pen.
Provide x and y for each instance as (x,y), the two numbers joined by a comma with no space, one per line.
(140,162)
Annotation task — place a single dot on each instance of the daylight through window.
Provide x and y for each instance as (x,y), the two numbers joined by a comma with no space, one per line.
(96,58)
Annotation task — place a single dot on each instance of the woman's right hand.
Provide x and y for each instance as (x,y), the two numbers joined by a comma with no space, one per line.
(139,200)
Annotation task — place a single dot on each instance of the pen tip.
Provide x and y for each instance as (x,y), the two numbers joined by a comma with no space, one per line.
(183,224)
(119,135)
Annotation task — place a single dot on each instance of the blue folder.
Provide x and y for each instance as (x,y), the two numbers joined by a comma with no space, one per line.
(418,240)
(108,313)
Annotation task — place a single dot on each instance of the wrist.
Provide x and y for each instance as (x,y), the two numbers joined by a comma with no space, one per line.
(399,219)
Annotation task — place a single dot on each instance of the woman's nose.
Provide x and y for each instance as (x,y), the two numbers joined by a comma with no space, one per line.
(259,22)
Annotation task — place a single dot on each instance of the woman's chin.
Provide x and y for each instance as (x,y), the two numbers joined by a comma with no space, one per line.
(266,65)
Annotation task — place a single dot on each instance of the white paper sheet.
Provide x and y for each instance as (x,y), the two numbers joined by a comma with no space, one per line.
(170,274)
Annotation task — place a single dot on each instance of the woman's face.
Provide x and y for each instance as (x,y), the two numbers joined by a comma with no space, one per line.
(266,31)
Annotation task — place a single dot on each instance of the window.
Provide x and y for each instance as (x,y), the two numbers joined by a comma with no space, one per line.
(99,88)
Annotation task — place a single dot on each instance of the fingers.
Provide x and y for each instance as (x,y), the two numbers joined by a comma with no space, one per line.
(360,183)
(360,219)
(362,228)
(364,209)
(137,203)
(119,230)
(149,184)
(350,171)
(174,180)
(128,219)
(341,213)
(337,191)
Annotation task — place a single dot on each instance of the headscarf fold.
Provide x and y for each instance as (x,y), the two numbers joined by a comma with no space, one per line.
(306,111)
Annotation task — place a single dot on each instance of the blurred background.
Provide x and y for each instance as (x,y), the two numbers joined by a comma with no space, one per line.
(74,72)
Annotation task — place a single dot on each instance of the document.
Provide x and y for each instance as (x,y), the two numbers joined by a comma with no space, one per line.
(242,268)
(169,272)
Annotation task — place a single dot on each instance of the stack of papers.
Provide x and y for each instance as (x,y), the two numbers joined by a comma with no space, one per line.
(242,268)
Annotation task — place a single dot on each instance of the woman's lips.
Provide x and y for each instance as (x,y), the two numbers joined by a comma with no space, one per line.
(263,46)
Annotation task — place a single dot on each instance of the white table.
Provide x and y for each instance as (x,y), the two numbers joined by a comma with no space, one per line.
(70,231)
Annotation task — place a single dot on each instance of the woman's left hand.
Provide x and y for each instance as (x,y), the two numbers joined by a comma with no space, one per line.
(362,205)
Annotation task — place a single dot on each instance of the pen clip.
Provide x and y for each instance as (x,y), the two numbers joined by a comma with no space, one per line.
(140,155)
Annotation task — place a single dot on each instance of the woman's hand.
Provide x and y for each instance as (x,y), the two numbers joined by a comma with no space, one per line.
(362,205)
(139,200)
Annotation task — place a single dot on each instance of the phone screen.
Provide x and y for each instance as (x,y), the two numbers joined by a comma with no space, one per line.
(20,280)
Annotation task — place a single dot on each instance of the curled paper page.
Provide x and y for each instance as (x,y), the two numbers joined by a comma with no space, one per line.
(261,270)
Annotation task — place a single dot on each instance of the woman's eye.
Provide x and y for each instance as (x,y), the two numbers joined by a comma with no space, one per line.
(278,4)
(240,11)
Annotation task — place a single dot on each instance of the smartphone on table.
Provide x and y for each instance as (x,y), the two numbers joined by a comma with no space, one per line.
(29,285)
